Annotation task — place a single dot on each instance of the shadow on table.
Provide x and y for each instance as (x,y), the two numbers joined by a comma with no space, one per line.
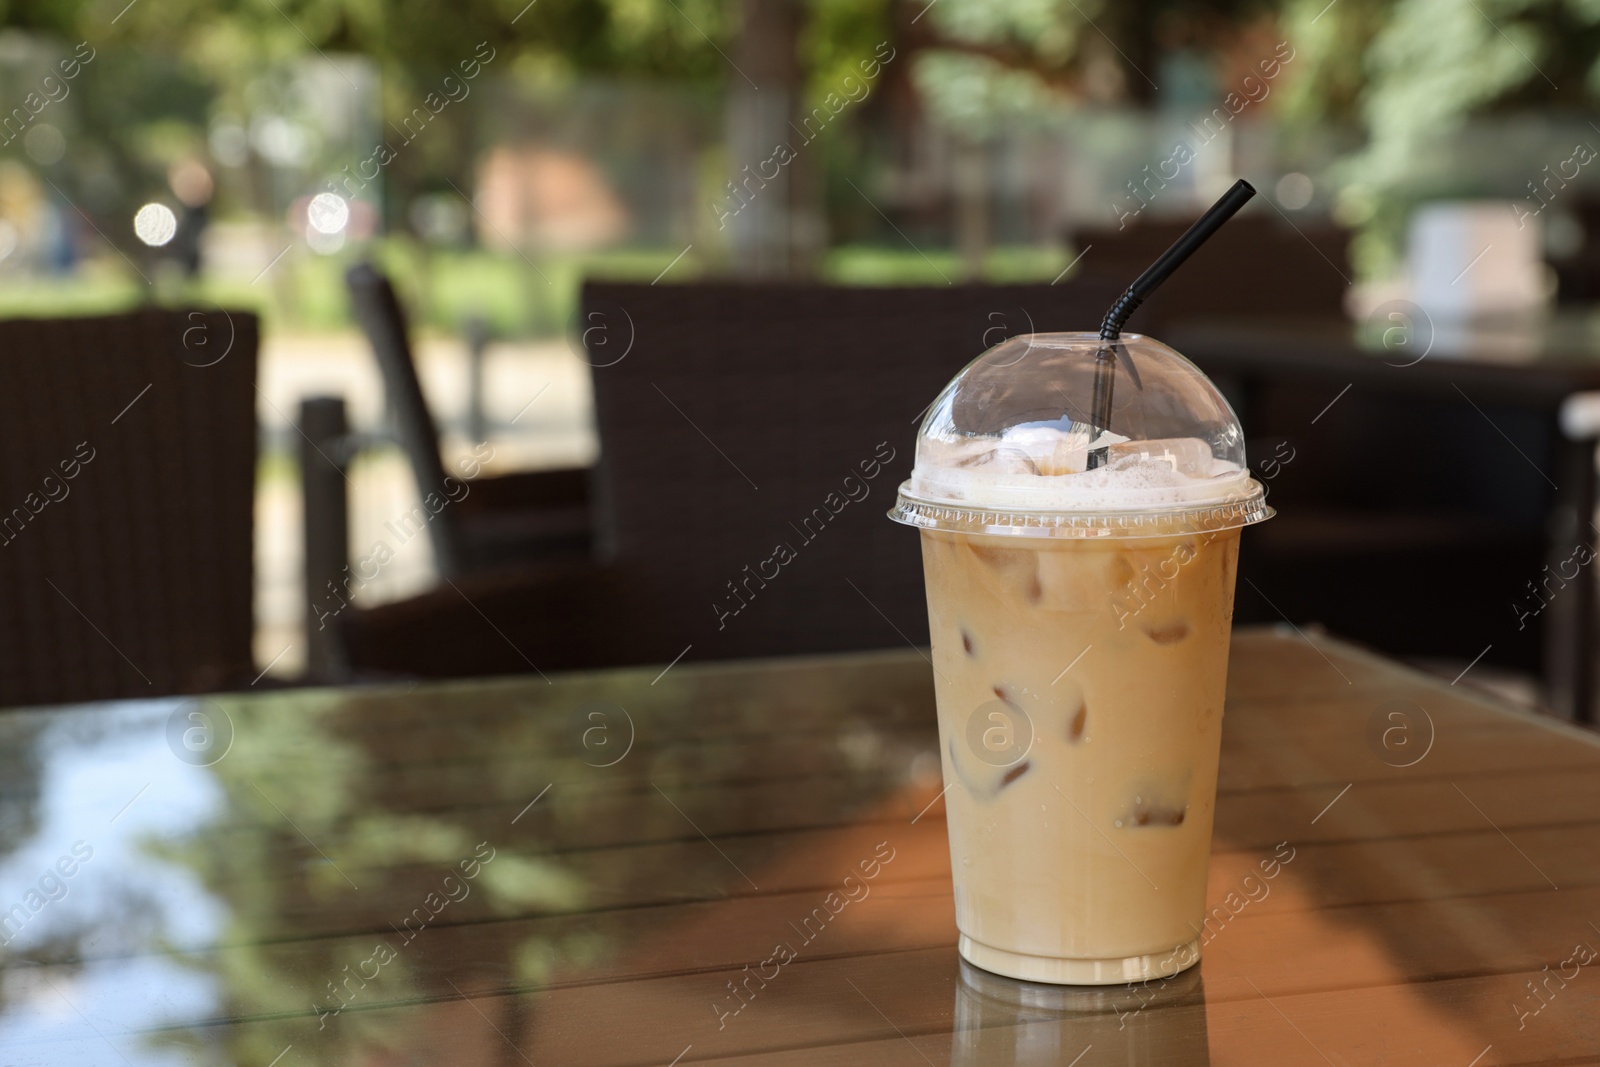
(1418,899)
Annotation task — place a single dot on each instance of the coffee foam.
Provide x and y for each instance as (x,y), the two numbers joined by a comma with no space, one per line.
(1045,468)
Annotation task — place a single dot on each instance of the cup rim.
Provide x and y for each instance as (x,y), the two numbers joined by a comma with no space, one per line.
(1199,517)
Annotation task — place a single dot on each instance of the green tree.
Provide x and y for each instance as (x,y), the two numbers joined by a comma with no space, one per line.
(1412,73)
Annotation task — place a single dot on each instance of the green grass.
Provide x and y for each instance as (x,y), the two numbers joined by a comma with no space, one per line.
(874,265)
(533,297)
(277,465)
(86,294)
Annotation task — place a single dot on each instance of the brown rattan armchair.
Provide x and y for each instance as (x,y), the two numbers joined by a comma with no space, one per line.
(729,414)
(127,483)
(506,519)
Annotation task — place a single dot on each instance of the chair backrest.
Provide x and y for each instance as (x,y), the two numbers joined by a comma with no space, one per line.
(127,494)
(1257,263)
(743,418)
(383,320)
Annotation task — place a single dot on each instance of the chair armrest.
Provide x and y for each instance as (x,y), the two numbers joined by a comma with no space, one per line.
(549,617)
(323,433)
(528,490)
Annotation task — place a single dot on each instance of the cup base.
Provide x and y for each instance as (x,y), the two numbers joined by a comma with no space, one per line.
(1057,971)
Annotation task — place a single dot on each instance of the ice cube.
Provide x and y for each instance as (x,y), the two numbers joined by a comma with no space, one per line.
(1002,460)
(1080,719)
(1169,633)
(1082,580)
(1185,455)
(1052,449)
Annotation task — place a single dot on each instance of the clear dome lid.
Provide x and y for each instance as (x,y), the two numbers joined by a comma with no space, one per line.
(1011,446)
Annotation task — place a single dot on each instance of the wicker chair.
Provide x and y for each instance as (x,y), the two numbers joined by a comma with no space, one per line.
(1258,263)
(127,484)
(733,418)
(503,519)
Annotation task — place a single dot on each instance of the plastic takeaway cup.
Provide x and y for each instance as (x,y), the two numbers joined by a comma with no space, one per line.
(1080,613)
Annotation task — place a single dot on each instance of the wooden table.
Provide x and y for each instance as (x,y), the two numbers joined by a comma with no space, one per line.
(572,872)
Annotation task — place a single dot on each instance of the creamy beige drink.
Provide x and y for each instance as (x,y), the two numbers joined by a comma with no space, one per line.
(1090,847)
(1080,622)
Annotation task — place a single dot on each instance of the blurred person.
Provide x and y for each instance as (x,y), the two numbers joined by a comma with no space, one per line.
(191,183)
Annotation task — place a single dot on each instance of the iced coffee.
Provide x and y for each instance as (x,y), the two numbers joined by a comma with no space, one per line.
(1080,592)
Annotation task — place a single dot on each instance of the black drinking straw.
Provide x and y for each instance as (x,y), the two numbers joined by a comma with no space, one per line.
(1105,360)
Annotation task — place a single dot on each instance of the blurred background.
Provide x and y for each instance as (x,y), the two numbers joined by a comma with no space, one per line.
(490,155)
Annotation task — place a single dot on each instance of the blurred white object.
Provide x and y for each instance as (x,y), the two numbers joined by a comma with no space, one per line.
(328,213)
(1475,259)
(155,224)
(1295,190)
(1580,416)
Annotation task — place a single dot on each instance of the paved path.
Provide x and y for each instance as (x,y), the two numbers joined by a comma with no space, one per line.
(555,430)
